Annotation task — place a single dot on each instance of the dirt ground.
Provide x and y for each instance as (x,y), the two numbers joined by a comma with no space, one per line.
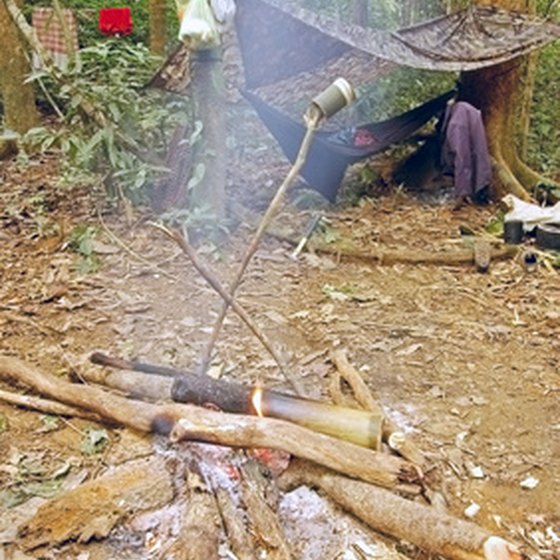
(466,363)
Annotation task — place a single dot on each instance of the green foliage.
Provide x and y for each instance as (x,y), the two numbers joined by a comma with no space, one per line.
(87,17)
(199,219)
(126,154)
(544,134)
(401,90)
(81,241)
(95,441)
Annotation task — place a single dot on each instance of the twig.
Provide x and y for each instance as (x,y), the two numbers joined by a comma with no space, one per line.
(391,432)
(313,118)
(213,281)
(132,253)
(47,406)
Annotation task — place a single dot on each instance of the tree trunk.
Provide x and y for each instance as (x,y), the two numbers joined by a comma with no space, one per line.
(208,92)
(20,113)
(503,93)
(360,12)
(158,35)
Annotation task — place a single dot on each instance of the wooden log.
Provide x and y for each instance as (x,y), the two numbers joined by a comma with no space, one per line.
(391,433)
(431,530)
(345,423)
(195,423)
(199,537)
(234,525)
(246,431)
(348,250)
(94,508)
(265,525)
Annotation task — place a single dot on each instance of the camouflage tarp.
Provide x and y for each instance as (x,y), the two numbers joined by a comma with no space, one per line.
(279,40)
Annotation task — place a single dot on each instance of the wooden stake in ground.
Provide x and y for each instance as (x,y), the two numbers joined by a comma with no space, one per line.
(431,530)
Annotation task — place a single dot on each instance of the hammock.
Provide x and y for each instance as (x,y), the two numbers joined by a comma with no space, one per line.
(329,157)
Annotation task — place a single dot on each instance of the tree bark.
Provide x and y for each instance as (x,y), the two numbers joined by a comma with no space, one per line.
(208,93)
(20,112)
(502,93)
(360,12)
(158,35)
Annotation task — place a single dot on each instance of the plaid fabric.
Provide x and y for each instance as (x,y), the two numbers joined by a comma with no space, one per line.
(51,35)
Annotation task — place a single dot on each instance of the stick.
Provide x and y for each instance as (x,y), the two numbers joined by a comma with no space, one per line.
(183,422)
(213,281)
(313,119)
(391,432)
(433,531)
(46,406)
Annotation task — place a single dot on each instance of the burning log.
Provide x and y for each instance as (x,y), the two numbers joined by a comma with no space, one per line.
(431,530)
(200,529)
(184,422)
(353,425)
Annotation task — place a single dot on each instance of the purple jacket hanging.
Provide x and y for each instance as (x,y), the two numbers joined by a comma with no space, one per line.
(465,149)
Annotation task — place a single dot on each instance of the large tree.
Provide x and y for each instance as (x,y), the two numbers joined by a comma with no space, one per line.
(20,113)
(503,93)
(158,30)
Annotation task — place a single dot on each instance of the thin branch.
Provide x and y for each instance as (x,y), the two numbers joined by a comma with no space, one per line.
(132,253)
(313,119)
(213,281)
(47,406)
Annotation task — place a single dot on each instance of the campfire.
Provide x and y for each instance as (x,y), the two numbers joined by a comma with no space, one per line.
(355,456)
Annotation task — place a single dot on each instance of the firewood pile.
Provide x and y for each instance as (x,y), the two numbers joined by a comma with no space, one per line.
(219,500)
(381,484)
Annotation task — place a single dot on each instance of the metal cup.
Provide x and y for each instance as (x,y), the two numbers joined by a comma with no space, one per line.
(513,232)
(337,96)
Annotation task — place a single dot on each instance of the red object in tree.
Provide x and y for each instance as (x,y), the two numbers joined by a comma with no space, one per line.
(115,21)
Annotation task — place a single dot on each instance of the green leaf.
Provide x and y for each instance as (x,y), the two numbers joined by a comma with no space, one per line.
(197,176)
(94,441)
(49,423)
(331,235)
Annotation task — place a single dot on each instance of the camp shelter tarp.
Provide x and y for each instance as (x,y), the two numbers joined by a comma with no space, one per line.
(328,158)
(280,39)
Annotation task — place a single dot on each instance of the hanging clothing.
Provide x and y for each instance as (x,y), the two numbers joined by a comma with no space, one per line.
(115,21)
(464,151)
(50,32)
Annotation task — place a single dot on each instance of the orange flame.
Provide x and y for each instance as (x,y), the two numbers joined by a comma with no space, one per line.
(256,399)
